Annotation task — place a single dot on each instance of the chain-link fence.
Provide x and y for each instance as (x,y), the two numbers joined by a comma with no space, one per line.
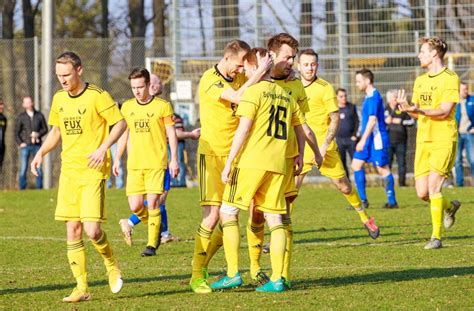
(348,35)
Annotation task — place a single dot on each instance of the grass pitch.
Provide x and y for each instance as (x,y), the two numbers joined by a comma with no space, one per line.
(335,264)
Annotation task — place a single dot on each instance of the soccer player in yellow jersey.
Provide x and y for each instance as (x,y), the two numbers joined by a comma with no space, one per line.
(81,114)
(267,112)
(150,121)
(220,89)
(435,95)
(323,118)
(283,48)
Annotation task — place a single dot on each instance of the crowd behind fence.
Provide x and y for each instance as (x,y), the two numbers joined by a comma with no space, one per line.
(346,38)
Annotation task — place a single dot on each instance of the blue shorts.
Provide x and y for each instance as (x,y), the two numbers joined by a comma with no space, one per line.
(378,157)
(167,180)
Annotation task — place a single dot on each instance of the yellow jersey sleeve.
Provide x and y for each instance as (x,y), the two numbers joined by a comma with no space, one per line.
(451,90)
(248,105)
(330,99)
(107,108)
(53,113)
(168,117)
(297,117)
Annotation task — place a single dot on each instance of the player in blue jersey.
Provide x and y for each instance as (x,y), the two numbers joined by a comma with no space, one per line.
(374,144)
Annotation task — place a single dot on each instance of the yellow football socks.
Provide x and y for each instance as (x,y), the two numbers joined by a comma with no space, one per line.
(231,240)
(436,207)
(142,214)
(102,245)
(255,234)
(201,245)
(288,249)
(277,250)
(354,200)
(215,244)
(154,222)
(76,254)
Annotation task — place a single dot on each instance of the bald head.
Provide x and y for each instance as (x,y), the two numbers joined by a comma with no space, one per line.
(155,85)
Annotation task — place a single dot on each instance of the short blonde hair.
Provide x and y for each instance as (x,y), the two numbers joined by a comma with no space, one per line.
(436,43)
(69,58)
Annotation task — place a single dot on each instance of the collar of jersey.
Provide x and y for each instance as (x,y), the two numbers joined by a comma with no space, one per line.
(143,104)
(432,76)
(82,92)
(225,78)
(315,78)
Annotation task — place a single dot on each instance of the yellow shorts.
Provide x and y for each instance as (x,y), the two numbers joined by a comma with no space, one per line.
(145,181)
(211,187)
(265,187)
(80,199)
(436,157)
(289,184)
(332,165)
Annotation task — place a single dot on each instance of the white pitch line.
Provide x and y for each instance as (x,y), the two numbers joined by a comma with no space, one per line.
(374,244)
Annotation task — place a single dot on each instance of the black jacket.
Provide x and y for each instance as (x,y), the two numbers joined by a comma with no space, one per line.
(25,125)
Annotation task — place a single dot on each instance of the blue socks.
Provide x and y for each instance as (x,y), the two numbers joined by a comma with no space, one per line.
(390,189)
(359,177)
(133,220)
(164,218)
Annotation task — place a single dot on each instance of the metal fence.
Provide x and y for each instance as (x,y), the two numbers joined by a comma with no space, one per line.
(348,35)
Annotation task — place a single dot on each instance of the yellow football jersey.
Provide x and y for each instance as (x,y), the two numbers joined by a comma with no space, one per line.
(84,122)
(147,139)
(321,102)
(296,89)
(218,119)
(274,113)
(429,92)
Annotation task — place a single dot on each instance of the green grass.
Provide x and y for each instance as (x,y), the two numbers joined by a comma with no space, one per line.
(335,264)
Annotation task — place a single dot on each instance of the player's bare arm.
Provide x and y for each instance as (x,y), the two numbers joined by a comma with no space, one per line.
(264,64)
(96,159)
(194,134)
(312,143)
(299,159)
(121,146)
(368,130)
(51,142)
(240,137)
(173,142)
(332,130)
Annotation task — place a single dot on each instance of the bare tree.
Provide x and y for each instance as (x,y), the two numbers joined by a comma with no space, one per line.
(137,24)
(7,59)
(159,29)
(104,50)
(29,13)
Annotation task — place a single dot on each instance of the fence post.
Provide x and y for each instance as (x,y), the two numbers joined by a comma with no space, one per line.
(258,23)
(342,40)
(47,64)
(36,73)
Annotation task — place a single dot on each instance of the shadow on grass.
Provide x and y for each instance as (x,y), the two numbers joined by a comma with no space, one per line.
(357,228)
(387,276)
(52,287)
(339,238)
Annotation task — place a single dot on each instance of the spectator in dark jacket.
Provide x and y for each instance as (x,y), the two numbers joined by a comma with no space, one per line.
(465,122)
(30,127)
(346,136)
(397,123)
(3,129)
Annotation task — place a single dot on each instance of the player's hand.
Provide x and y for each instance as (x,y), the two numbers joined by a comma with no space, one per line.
(265,62)
(318,160)
(196,133)
(225,174)
(97,158)
(23,145)
(403,103)
(36,163)
(174,168)
(354,138)
(471,131)
(360,145)
(323,150)
(298,164)
(116,168)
